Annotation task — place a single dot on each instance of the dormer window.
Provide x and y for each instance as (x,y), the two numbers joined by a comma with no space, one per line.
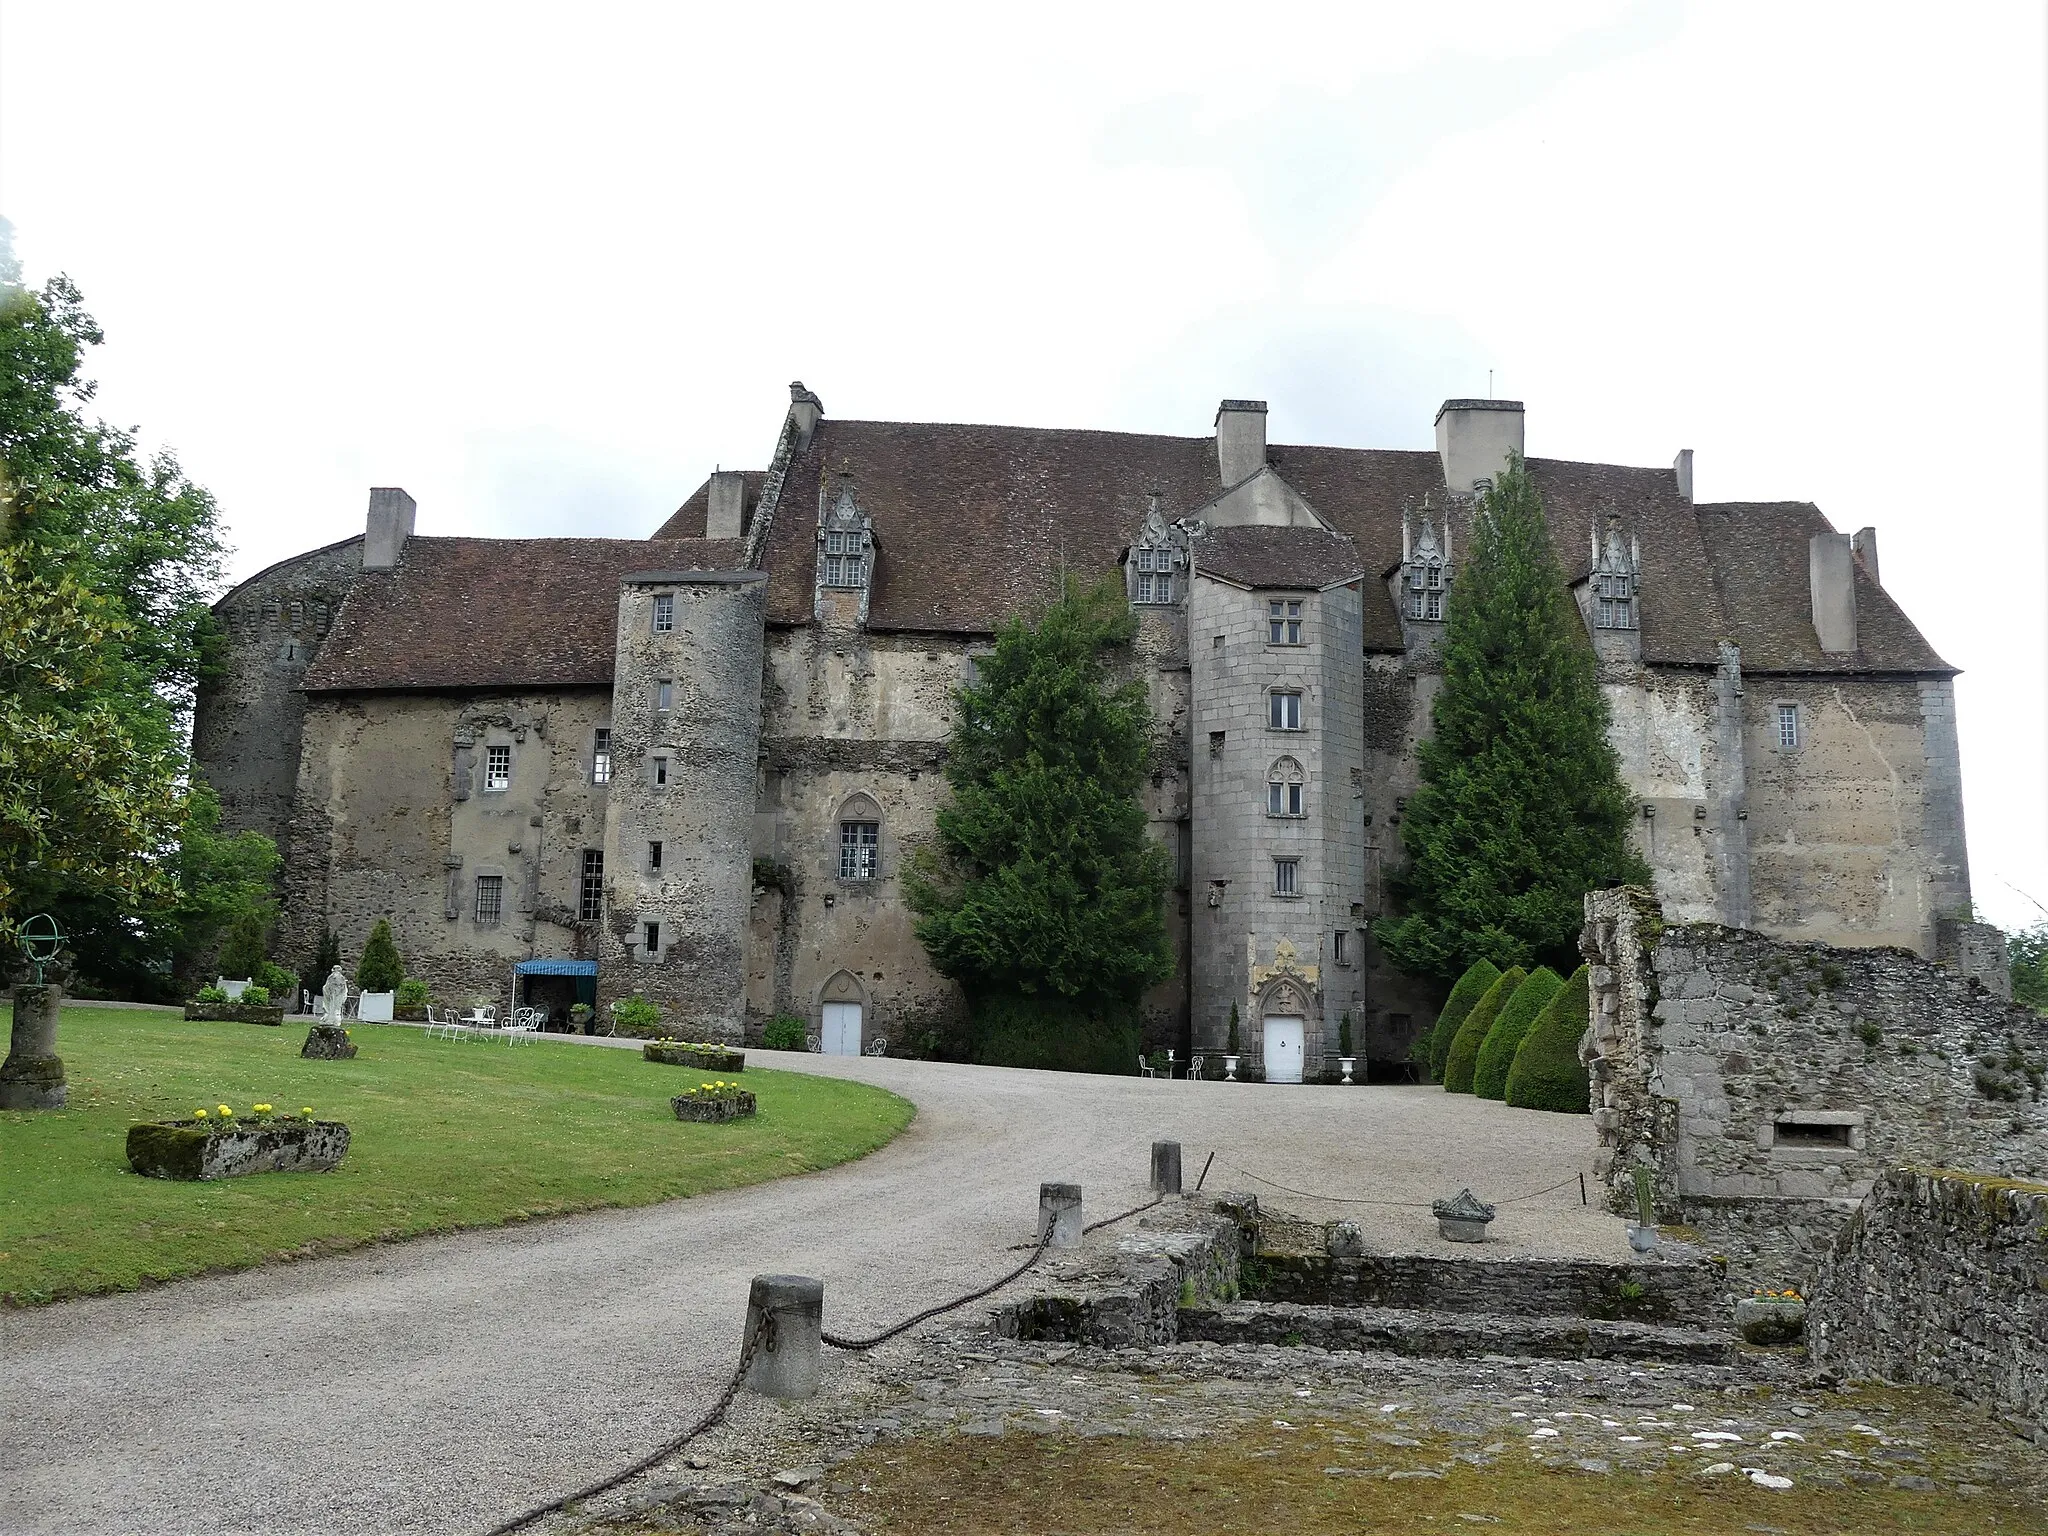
(1426,566)
(1617,568)
(1158,556)
(1154,575)
(845,542)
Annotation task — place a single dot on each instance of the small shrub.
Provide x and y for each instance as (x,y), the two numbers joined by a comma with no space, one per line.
(209,995)
(1458,1006)
(255,997)
(325,959)
(276,980)
(785,1032)
(1464,1053)
(635,1017)
(1510,1027)
(1870,1034)
(380,969)
(1344,1036)
(1230,1045)
(412,993)
(1547,1073)
(1831,976)
(242,954)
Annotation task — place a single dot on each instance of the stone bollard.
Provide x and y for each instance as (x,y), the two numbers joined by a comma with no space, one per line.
(33,1076)
(1166,1167)
(1059,1210)
(785,1362)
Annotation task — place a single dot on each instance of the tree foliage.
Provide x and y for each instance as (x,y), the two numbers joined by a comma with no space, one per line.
(1547,1073)
(380,969)
(1510,1027)
(2028,952)
(1521,808)
(1045,890)
(105,561)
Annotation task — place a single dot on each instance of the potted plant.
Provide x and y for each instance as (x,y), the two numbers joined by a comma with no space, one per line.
(1771,1318)
(1230,1049)
(242,954)
(253,1006)
(411,999)
(705,1056)
(580,1015)
(1344,1057)
(1642,1234)
(378,974)
(636,1018)
(217,1143)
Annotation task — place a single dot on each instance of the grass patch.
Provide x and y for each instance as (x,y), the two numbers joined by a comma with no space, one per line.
(447,1135)
(1023,1484)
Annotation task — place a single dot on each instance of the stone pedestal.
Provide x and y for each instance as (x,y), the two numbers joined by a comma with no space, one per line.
(33,1076)
(327,1042)
(1059,1211)
(785,1362)
(1166,1167)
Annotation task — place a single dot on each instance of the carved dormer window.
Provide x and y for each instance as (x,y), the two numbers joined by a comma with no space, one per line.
(1425,564)
(1617,573)
(846,541)
(1159,557)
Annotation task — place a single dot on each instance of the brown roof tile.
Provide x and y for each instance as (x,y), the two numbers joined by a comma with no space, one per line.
(495,613)
(1259,557)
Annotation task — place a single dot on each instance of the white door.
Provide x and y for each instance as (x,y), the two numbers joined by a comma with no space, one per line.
(1283,1050)
(841,1034)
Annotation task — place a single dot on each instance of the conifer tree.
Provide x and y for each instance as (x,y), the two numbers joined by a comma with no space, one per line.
(1521,808)
(380,969)
(1045,895)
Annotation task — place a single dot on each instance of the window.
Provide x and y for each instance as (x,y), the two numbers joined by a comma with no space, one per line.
(1284,711)
(1287,877)
(1788,1133)
(859,842)
(664,694)
(650,933)
(660,772)
(654,858)
(1614,601)
(1283,622)
(844,564)
(1284,789)
(601,756)
(1154,582)
(497,767)
(1788,725)
(590,903)
(664,612)
(1340,947)
(490,898)
(1426,588)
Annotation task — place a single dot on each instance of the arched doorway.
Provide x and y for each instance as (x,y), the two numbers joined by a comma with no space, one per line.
(1283,1030)
(840,1015)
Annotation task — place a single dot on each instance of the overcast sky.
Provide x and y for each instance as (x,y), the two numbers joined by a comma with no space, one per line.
(545,267)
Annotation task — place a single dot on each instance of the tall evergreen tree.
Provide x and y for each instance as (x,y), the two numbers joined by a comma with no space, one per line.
(1521,809)
(1044,897)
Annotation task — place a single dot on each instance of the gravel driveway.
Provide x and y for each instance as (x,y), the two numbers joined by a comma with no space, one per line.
(441,1384)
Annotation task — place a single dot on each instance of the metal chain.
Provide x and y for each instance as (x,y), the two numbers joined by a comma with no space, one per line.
(1136,1210)
(1406,1205)
(762,1332)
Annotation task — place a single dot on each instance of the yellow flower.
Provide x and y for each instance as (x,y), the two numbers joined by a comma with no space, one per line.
(198,1114)
(261,1109)
(306,1110)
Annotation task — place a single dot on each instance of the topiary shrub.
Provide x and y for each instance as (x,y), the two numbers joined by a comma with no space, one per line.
(785,1032)
(1464,1053)
(1510,1026)
(380,969)
(1547,1073)
(242,955)
(1457,1008)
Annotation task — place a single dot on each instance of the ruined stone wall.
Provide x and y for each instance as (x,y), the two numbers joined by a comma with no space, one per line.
(395,818)
(1941,1279)
(1768,1085)
(248,720)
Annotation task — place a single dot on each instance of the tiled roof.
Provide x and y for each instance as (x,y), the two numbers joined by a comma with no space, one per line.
(1278,557)
(1760,556)
(495,613)
(687,521)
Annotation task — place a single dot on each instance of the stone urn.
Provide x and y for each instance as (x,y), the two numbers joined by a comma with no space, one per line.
(195,1149)
(1229,1069)
(1463,1218)
(1773,1321)
(1641,1238)
(1347,1063)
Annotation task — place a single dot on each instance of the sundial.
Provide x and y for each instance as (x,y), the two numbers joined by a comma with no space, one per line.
(40,939)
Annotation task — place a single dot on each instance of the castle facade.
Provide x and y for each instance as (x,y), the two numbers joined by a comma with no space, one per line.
(693,765)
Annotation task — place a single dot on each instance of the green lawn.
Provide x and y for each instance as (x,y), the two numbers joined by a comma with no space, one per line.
(447,1134)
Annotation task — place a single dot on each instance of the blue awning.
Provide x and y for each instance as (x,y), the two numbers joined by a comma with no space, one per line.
(555,968)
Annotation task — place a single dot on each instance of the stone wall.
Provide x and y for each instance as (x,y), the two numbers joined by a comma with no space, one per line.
(1768,1085)
(1941,1279)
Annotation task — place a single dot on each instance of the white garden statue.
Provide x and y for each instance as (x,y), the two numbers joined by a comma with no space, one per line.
(334,996)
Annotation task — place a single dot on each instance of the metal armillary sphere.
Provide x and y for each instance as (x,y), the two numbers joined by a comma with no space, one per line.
(40,939)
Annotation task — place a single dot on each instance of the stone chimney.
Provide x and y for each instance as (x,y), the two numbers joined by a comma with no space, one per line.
(806,410)
(1681,467)
(1831,569)
(726,515)
(1865,545)
(1240,440)
(1473,438)
(390,525)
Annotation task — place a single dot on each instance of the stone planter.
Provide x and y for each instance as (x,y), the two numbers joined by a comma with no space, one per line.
(327,1042)
(190,1149)
(730,1106)
(705,1058)
(234,989)
(374,1007)
(236,1013)
(1463,1219)
(1771,1320)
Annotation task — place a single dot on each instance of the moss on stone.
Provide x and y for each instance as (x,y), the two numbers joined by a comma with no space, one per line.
(166,1151)
(1457,1008)
(1510,1027)
(1463,1056)
(1547,1072)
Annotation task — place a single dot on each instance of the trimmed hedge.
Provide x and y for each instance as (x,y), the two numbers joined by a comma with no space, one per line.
(1547,1073)
(1457,1007)
(1056,1035)
(785,1032)
(1464,1052)
(1510,1026)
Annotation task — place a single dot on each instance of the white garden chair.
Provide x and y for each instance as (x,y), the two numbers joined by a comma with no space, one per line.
(1145,1067)
(481,1021)
(879,1046)
(524,1024)
(447,1027)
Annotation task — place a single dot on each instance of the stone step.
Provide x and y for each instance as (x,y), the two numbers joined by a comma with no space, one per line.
(1678,1287)
(1401,1332)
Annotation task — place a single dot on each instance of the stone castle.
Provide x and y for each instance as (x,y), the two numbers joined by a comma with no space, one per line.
(693,765)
